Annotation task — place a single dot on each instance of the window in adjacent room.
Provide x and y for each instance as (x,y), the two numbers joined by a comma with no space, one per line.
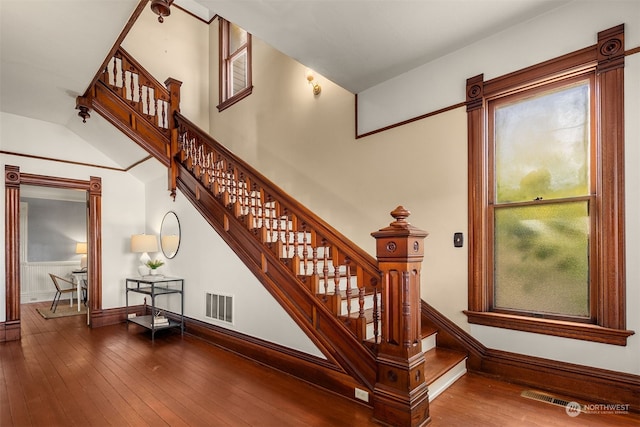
(235,64)
(546,202)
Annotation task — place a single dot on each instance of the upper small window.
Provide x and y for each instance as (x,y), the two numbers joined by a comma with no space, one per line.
(235,64)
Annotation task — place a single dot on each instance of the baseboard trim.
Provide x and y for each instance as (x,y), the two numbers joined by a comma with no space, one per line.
(113,316)
(308,368)
(594,385)
(10,331)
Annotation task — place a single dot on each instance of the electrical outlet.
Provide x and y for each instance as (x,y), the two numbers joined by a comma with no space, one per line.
(131,315)
(362,394)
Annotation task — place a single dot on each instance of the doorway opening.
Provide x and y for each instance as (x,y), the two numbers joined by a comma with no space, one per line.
(14,179)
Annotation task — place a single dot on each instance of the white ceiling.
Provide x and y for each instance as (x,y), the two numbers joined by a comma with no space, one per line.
(51,49)
(360,43)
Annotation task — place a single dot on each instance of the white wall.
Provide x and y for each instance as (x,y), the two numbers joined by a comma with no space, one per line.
(177,48)
(123,207)
(441,83)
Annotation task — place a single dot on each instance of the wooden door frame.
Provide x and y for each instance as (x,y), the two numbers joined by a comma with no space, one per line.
(13,180)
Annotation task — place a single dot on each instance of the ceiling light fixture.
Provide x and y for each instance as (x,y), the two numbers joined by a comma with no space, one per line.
(161,8)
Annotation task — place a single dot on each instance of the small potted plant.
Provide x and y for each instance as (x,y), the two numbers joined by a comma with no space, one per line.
(154,265)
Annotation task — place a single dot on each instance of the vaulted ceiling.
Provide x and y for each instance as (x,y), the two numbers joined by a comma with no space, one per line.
(51,49)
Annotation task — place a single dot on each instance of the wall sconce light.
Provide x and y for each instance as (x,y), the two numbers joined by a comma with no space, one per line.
(81,248)
(316,87)
(142,244)
(161,8)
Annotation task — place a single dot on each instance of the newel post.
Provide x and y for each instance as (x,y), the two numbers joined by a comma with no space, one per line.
(173,86)
(401,396)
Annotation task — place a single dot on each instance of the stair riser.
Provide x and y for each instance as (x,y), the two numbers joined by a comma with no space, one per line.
(445,381)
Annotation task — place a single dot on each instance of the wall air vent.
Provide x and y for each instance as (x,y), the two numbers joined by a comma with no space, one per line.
(219,307)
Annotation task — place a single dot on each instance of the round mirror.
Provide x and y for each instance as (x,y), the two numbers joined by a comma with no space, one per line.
(170,234)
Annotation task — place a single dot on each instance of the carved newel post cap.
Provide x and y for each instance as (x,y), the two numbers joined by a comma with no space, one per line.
(400,240)
(400,227)
(401,215)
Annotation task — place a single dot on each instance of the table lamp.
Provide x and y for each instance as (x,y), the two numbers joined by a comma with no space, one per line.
(143,244)
(81,248)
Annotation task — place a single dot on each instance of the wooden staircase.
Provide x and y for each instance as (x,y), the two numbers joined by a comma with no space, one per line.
(328,285)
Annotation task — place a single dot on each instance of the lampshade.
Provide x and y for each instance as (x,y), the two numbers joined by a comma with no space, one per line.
(144,243)
(81,247)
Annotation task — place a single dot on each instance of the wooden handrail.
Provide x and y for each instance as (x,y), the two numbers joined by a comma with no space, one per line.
(139,89)
(311,248)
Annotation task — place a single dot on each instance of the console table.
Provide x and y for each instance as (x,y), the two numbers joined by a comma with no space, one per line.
(155,286)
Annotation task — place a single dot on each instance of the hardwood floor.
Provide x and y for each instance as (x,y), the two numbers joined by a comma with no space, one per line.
(65,374)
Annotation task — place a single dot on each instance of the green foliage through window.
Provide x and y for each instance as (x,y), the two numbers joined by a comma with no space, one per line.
(541,207)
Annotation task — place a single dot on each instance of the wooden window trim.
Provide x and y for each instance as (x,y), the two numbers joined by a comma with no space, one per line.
(225,100)
(606,61)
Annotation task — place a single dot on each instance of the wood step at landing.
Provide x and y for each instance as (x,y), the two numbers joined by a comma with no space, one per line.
(428,334)
(443,367)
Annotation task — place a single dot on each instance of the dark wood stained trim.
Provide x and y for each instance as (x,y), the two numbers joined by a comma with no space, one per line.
(113,316)
(132,123)
(12,245)
(139,162)
(71,162)
(551,327)
(13,180)
(404,122)
(628,52)
(451,336)
(593,384)
(9,331)
(584,382)
(226,101)
(236,98)
(213,18)
(605,63)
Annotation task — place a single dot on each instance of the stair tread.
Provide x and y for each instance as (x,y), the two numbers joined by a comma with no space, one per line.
(439,360)
(368,314)
(427,330)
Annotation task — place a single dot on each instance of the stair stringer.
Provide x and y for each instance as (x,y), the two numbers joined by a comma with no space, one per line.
(451,336)
(327,332)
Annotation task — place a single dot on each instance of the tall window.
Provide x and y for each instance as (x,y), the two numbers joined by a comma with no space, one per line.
(235,64)
(546,196)
(541,195)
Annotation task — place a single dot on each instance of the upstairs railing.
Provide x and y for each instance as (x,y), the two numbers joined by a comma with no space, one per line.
(345,277)
(135,102)
(140,89)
